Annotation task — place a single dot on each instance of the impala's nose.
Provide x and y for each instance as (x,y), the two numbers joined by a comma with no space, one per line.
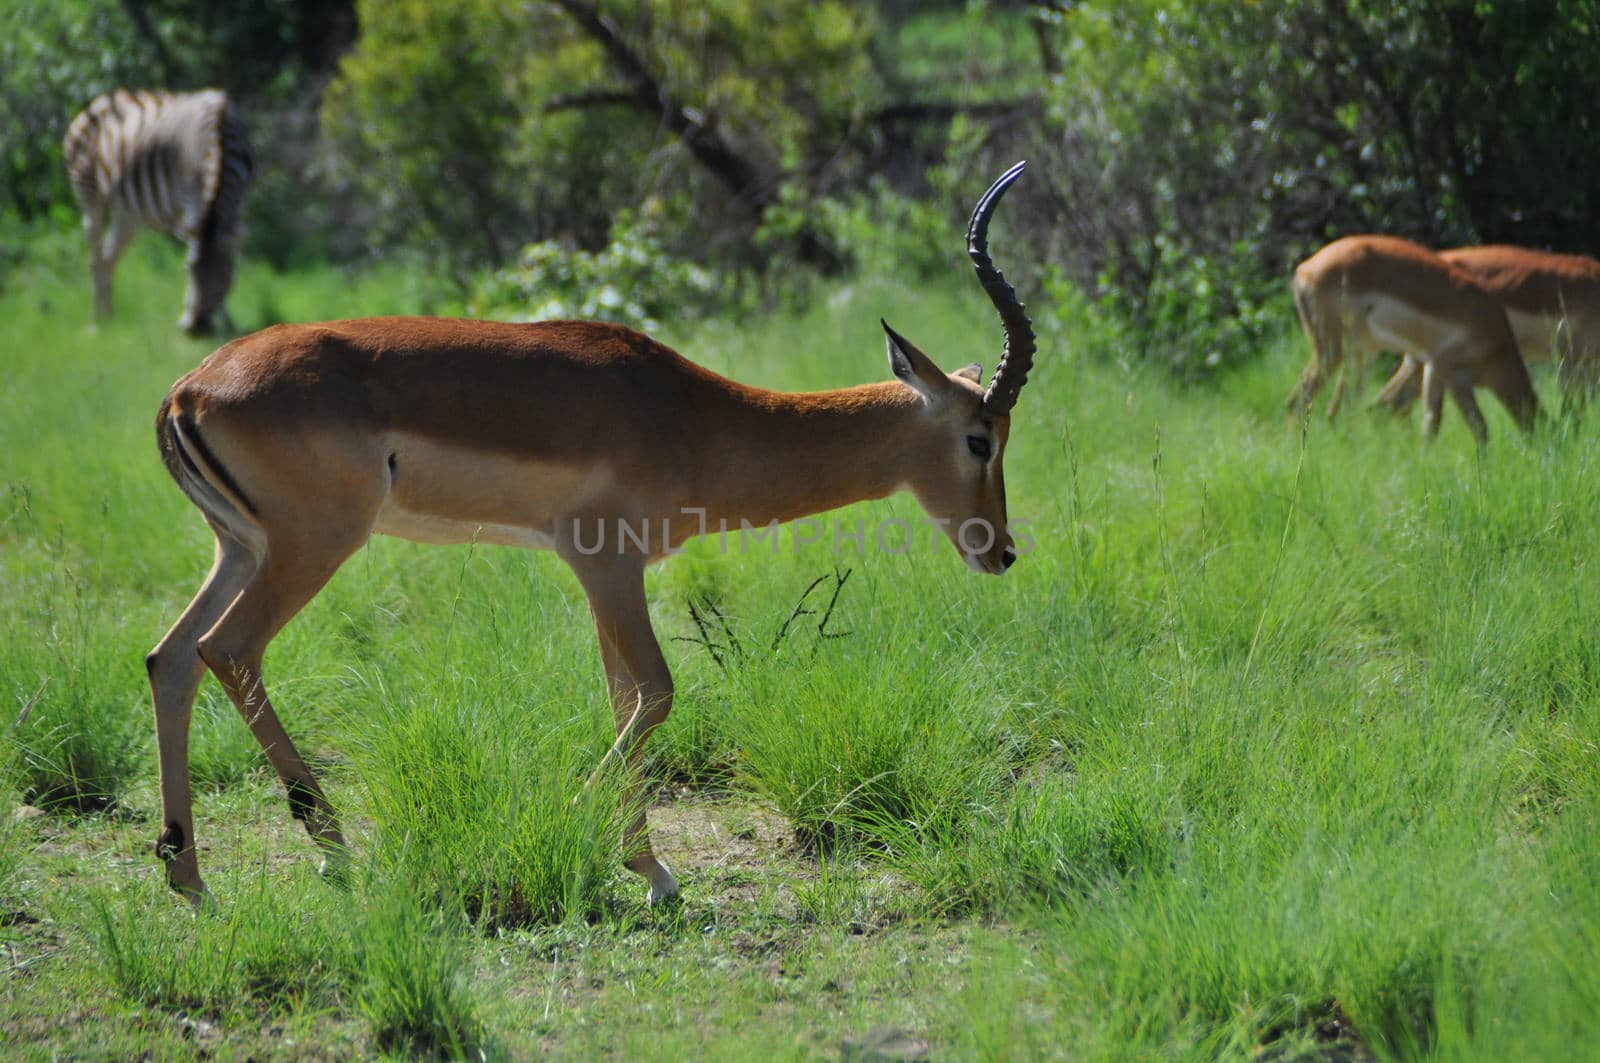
(1008,557)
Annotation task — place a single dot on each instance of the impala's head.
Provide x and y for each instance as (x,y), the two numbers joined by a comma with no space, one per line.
(958,476)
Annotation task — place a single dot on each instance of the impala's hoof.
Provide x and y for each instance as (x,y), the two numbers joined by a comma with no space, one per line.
(663,886)
(335,867)
(200,899)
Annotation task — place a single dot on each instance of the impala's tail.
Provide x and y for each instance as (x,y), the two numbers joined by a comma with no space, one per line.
(204,479)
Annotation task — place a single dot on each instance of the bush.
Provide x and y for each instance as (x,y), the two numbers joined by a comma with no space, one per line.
(423,112)
(632,281)
(55,56)
(478,126)
(1208,315)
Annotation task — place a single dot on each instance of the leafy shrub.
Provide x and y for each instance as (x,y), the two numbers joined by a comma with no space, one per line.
(897,235)
(1193,152)
(1206,315)
(480,125)
(422,112)
(631,281)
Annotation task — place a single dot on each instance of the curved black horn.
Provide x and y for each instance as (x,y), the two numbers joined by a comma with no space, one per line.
(1012,372)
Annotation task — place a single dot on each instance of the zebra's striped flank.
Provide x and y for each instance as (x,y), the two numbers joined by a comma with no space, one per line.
(175,162)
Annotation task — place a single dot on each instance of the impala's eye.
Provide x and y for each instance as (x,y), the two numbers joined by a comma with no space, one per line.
(979,447)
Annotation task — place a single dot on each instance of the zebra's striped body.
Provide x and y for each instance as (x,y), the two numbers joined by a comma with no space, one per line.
(175,162)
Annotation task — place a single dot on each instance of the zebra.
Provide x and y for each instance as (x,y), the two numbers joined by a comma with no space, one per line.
(175,162)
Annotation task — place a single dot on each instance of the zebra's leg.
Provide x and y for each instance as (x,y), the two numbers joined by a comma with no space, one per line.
(114,244)
(94,226)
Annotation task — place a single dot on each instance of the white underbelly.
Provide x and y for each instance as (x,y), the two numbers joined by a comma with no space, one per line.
(430,528)
(1399,326)
(447,493)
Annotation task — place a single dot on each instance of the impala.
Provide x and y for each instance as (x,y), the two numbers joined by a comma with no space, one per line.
(298,442)
(1363,294)
(1552,303)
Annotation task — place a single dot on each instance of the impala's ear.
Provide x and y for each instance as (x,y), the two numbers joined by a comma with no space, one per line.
(973,372)
(913,367)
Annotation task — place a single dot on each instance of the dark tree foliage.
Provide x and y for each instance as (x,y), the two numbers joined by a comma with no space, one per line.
(54,58)
(254,49)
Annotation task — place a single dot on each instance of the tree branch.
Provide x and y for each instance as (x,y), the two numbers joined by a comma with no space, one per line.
(575,101)
(704,142)
(740,174)
(141,22)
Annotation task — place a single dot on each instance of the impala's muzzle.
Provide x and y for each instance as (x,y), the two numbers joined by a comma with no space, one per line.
(985,548)
(992,564)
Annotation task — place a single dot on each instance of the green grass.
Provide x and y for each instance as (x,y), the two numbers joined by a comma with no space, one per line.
(1277,743)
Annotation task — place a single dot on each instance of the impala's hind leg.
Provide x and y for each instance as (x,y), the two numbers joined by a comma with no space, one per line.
(1403,388)
(1336,403)
(294,570)
(1311,381)
(175,670)
(1323,320)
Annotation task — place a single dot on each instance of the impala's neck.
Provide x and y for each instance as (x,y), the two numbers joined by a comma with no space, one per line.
(782,456)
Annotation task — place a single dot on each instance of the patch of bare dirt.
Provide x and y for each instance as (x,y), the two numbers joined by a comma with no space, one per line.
(700,836)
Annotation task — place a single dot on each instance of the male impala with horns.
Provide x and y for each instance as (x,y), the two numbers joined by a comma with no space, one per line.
(299,442)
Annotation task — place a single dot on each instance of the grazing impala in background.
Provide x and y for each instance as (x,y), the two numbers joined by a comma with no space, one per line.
(299,442)
(1363,294)
(1552,303)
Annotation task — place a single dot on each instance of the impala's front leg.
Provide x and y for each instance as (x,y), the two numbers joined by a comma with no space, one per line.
(1432,397)
(640,686)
